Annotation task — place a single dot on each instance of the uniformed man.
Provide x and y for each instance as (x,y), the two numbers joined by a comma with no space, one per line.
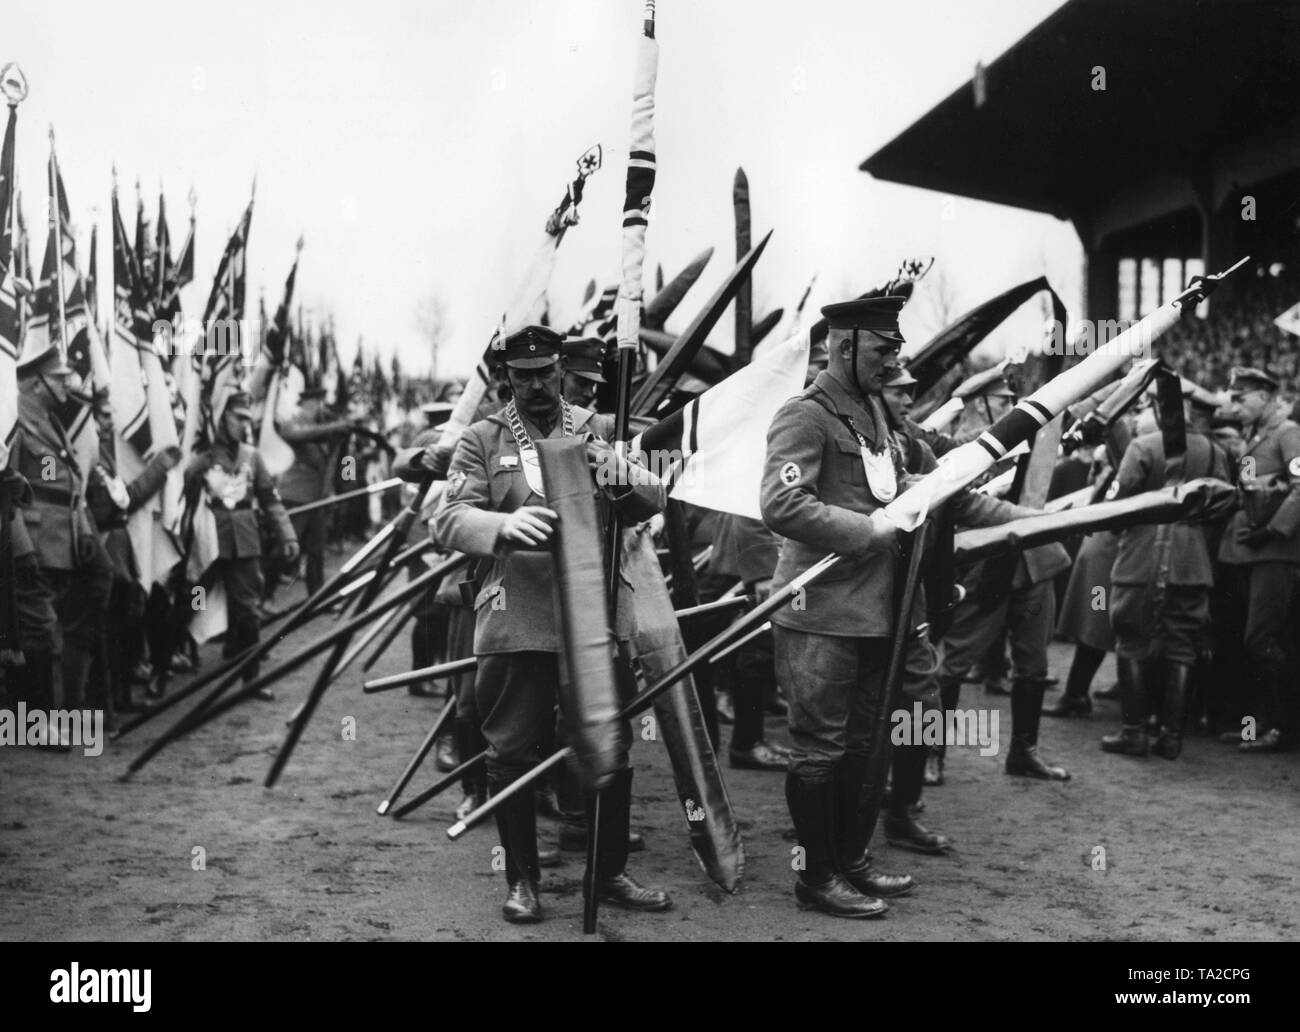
(1024,605)
(238,487)
(1160,595)
(832,465)
(111,501)
(317,442)
(72,560)
(583,370)
(32,681)
(493,508)
(921,662)
(1261,547)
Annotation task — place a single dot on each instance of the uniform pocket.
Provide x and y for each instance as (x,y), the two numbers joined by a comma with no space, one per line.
(851,453)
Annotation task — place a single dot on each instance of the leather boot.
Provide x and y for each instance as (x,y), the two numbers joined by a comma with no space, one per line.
(1023,758)
(1276,679)
(614,885)
(1074,701)
(820,886)
(1132,738)
(855,822)
(901,828)
(76,672)
(1170,743)
(517,828)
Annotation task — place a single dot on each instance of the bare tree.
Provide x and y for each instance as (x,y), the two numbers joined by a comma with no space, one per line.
(432,322)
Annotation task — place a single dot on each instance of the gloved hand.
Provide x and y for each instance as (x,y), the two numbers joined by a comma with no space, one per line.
(289,550)
(1257,537)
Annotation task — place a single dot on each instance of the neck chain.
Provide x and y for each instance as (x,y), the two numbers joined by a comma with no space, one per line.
(521,436)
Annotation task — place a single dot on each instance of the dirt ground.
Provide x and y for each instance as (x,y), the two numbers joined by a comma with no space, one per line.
(1203,849)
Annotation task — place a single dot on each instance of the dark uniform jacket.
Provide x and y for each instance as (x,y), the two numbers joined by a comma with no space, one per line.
(743,548)
(1271,463)
(235,477)
(485,481)
(1143,468)
(57,519)
(315,449)
(110,517)
(815,495)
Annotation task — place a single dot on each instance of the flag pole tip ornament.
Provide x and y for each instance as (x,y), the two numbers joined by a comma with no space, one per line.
(590,161)
(13,84)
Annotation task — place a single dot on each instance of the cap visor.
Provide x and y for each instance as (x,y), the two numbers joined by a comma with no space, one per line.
(540,362)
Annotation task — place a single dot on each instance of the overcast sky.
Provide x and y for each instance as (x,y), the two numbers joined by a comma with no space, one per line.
(419,146)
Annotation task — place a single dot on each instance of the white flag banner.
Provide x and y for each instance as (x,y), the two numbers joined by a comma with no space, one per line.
(712,452)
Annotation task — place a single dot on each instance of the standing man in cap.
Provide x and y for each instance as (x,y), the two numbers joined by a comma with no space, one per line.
(238,486)
(1015,599)
(1261,549)
(494,508)
(1160,599)
(317,442)
(832,466)
(72,560)
(583,365)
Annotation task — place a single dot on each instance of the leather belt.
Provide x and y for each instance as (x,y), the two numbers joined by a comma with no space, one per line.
(55,495)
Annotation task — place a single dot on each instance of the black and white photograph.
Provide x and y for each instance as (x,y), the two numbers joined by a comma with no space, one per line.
(652,471)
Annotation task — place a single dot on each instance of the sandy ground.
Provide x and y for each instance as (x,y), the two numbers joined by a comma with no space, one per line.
(1201,849)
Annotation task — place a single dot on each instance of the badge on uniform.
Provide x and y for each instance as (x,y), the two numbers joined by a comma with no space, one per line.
(1293,467)
(790,473)
(533,471)
(455,481)
(509,462)
(881,476)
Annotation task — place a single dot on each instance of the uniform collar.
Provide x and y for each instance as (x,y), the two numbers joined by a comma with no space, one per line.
(845,404)
(581,417)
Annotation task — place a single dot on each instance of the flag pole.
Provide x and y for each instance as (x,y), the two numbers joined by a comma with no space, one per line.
(56,227)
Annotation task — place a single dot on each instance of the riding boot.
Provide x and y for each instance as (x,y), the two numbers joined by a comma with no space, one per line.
(949,692)
(517,828)
(1026,710)
(820,886)
(1170,743)
(1074,701)
(1132,739)
(855,822)
(613,883)
(901,828)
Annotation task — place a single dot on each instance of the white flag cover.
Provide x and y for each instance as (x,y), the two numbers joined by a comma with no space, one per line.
(712,451)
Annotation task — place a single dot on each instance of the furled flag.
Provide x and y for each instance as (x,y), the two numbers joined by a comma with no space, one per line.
(142,410)
(219,359)
(639,185)
(1289,320)
(53,322)
(270,381)
(711,452)
(180,272)
(9,328)
(529,300)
